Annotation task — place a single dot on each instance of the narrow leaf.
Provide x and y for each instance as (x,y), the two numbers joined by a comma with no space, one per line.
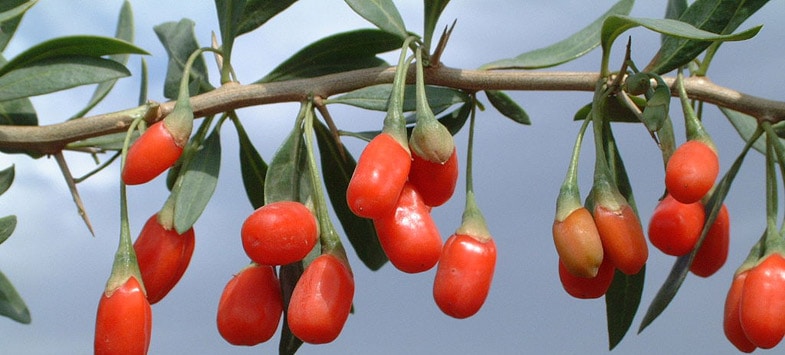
(288,276)
(507,106)
(565,50)
(681,267)
(229,14)
(337,168)
(258,12)
(125,32)
(198,182)
(11,12)
(722,17)
(616,111)
(433,10)
(381,13)
(287,175)
(675,9)
(615,25)
(745,125)
(79,46)
(57,74)
(375,97)
(337,53)
(6,178)
(179,40)
(621,303)
(252,167)
(7,227)
(11,304)
(18,112)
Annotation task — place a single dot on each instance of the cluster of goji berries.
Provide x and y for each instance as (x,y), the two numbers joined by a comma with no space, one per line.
(678,220)
(592,244)
(251,305)
(755,305)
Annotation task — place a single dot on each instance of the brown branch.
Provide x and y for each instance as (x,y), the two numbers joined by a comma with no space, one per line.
(53,138)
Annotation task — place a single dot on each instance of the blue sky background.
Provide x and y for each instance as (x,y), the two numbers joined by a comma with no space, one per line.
(61,270)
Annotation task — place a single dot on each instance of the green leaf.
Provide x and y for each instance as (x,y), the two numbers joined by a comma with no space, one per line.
(6,178)
(675,9)
(258,12)
(179,40)
(433,10)
(252,167)
(565,50)
(229,14)
(337,53)
(615,25)
(108,142)
(18,112)
(287,176)
(197,184)
(337,168)
(288,276)
(125,32)
(11,12)
(716,16)
(11,304)
(621,303)
(69,47)
(57,74)
(507,106)
(656,110)
(7,226)
(746,125)
(375,97)
(381,13)
(616,111)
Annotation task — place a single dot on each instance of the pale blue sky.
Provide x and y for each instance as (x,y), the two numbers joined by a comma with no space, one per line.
(60,270)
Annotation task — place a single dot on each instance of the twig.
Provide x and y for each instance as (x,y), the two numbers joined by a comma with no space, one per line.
(53,138)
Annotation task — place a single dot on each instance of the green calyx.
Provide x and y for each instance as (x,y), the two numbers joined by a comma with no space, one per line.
(394,122)
(569,198)
(693,125)
(473,222)
(430,139)
(329,240)
(604,190)
(125,264)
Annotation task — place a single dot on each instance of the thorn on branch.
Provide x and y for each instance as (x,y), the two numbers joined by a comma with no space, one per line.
(69,179)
